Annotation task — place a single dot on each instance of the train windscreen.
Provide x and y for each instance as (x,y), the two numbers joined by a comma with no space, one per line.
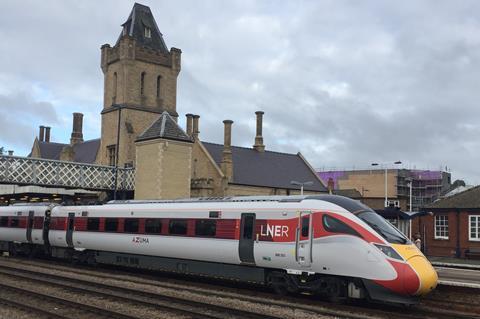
(384,228)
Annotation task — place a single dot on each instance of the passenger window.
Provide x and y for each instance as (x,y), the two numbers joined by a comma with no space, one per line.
(334,225)
(131,225)
(153,226)
(14,222)
(93,224)
(177,227)
(4,221)
(305,226)
(206,227)
(111,224)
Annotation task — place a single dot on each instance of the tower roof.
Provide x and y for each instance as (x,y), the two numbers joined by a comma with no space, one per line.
(164,127)
(141,25)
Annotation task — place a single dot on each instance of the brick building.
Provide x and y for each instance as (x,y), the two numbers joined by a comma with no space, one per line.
(452,225)
(140,129)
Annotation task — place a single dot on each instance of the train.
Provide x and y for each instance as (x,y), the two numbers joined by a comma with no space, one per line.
(328,245)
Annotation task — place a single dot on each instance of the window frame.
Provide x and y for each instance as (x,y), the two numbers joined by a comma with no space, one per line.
(154,220)
(444,229)
(89,219)
(127,222)
(205,221)
(477,226)
(107,219)
(171,221)
(4,221)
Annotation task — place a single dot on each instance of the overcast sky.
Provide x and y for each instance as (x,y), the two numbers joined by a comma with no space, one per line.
(346,83)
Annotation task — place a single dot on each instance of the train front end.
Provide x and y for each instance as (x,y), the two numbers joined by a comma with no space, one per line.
(415,275)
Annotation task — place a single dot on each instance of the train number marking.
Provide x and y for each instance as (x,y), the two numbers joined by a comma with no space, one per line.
(274,231)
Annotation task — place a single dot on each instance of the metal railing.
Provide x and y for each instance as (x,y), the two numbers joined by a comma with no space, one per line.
(43,172)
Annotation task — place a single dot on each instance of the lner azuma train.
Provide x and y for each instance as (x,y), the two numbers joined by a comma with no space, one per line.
(322,244)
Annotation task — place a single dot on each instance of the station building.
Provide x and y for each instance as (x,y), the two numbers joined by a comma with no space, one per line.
(450,226)
(140,130)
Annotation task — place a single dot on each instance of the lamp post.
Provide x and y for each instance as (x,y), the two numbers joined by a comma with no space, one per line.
(410,183)
(301,184)
(386,178)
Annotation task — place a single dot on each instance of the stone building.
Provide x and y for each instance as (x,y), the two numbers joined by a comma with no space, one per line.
(140,130)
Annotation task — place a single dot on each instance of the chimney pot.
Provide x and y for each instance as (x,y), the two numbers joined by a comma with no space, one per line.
(47,134)
(195,126)
(41,135)
(227,161)
(10,153)
(77,134)
(259,146)
(189,124)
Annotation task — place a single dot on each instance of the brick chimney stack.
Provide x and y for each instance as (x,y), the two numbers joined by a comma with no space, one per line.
(77,135)
(227,161)
(189,124)
(47,134)
(195,126)
(259,147)
(41,134)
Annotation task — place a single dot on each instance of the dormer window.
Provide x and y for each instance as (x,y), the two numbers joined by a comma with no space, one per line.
(148,32)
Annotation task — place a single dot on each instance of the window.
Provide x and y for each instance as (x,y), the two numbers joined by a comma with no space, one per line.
(153,226)
(382,227)
(111,153)
(206,227)
(111,224)
(248,227)
(334,225)
(474,227)
(131,225)
(4,221)
(441,227)
(14,222)
(142,84)
(148,32)
(177,227)
(114,87)
(93,224)
(305,226)
(158,86)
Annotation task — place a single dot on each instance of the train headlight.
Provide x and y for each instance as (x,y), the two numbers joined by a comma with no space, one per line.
(389,251)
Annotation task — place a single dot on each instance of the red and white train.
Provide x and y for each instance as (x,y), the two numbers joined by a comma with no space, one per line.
(324,244)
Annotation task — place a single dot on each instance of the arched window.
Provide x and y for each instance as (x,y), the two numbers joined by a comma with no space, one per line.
(142,84)
(158,86)
(114,86)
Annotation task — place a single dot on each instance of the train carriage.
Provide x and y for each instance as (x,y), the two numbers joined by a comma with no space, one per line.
(319,244)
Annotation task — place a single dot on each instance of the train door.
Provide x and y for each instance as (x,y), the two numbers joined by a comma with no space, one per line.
(245,244)
(70,229)
(30,225)
(304,239)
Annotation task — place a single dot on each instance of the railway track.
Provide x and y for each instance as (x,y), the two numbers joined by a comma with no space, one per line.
(161,302)
(48,306)
(307,305)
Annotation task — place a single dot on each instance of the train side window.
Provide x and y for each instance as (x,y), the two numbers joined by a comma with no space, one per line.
(153,226)
(4,221)
(93,224)
(248,227)
(305,226)
(131,225)
(205,227)
(14,222)
(334,225)
(111,224)
(177,227)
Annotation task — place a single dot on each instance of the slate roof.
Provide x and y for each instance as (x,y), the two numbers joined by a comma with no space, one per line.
(165,127)
(139,18)
(85,152)
(467,199)
(352,193)
(268,169)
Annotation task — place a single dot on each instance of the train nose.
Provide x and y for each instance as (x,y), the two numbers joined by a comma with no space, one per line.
(426,274)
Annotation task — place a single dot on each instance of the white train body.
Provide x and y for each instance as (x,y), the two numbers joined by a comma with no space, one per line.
(274,239)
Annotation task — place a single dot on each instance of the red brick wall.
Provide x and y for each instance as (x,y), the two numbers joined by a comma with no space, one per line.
(445,247)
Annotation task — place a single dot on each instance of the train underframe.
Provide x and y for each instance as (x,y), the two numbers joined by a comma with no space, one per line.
(334,288)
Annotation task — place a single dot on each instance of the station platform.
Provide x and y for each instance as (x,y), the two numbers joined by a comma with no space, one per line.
(457,272)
